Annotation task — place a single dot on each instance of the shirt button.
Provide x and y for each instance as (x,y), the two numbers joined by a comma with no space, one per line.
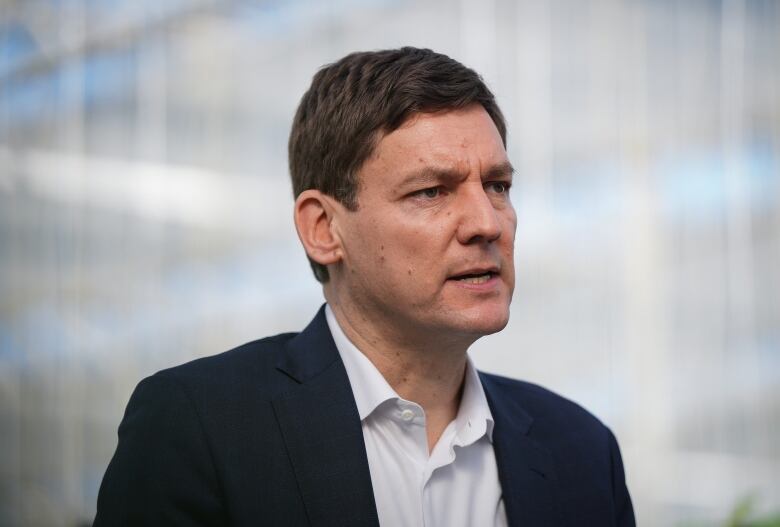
(407,415)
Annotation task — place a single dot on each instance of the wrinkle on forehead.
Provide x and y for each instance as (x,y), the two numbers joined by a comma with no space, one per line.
(439,142)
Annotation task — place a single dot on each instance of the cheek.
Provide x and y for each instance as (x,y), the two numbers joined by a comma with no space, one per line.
(509,245)
(401,245)
(407,252)
(365,246)
(511,218)
(381,260)
(511,229)
(385,246)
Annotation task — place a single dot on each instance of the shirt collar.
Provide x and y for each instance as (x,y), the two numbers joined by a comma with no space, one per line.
(368,385)
(370,388)
(474,418)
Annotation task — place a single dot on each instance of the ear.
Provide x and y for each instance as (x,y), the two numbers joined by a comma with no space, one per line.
(314,214)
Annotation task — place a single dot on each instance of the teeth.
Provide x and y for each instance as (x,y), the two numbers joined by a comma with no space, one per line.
(481,279)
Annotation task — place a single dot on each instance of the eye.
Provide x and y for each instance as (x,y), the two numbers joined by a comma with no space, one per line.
(430,193)
(499,187)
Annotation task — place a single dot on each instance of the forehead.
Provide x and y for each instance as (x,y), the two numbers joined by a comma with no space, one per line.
(463,140)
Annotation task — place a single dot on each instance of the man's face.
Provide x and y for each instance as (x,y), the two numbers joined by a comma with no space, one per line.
(430,247)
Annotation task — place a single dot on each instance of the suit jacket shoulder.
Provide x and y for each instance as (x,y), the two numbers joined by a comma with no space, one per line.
(545,410)
(183,427)
(265,434)
(562,462)
(253,363)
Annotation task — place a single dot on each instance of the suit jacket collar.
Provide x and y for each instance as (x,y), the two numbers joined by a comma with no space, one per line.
(525,466)
(310,352)
(321,428)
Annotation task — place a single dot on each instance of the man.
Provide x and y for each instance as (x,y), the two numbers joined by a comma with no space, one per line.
(374,413)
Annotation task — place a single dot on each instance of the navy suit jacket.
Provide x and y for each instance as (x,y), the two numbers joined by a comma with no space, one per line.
(269,434)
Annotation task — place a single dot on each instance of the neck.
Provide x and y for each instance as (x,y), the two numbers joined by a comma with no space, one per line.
(426,370)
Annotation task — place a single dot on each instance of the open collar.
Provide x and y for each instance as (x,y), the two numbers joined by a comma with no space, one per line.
(320,424)
(371,389)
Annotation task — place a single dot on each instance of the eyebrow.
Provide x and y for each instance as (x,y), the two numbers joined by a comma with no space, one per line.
(431,174)
(501,170)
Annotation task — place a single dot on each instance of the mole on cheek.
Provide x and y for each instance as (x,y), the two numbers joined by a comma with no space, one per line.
(410,272)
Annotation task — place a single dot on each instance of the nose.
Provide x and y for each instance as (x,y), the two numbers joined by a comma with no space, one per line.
(479,222)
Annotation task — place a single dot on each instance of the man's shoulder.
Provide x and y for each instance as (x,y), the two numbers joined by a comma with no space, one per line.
(250,363)
(572,446)
(550,412)
(256,371)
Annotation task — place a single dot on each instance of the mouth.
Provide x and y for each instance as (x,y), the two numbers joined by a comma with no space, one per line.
(475,277)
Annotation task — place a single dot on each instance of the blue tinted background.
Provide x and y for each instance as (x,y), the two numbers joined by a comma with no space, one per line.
(145,218)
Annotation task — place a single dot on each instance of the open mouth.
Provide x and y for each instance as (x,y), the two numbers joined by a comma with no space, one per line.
(475,278)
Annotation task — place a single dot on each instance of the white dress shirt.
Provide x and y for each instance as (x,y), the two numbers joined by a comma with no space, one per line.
(457,484)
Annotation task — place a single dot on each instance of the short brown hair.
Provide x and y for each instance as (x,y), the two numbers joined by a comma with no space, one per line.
(354,101)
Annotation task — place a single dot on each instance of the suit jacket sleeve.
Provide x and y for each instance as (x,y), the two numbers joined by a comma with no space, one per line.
(623,509)
(162,472)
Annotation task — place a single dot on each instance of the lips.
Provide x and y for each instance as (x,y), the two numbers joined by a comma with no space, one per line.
(475,276)
(476,280)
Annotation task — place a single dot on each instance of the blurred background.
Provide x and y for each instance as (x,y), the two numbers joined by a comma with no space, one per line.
(146,218)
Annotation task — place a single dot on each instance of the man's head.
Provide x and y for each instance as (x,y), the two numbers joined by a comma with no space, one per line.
(352,103)
(401,179)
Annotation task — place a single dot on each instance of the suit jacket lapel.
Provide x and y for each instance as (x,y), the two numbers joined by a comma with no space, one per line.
(525,467)
(321,429)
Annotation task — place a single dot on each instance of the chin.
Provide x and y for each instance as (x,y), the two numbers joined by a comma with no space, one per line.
(482,321)
(493,326)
